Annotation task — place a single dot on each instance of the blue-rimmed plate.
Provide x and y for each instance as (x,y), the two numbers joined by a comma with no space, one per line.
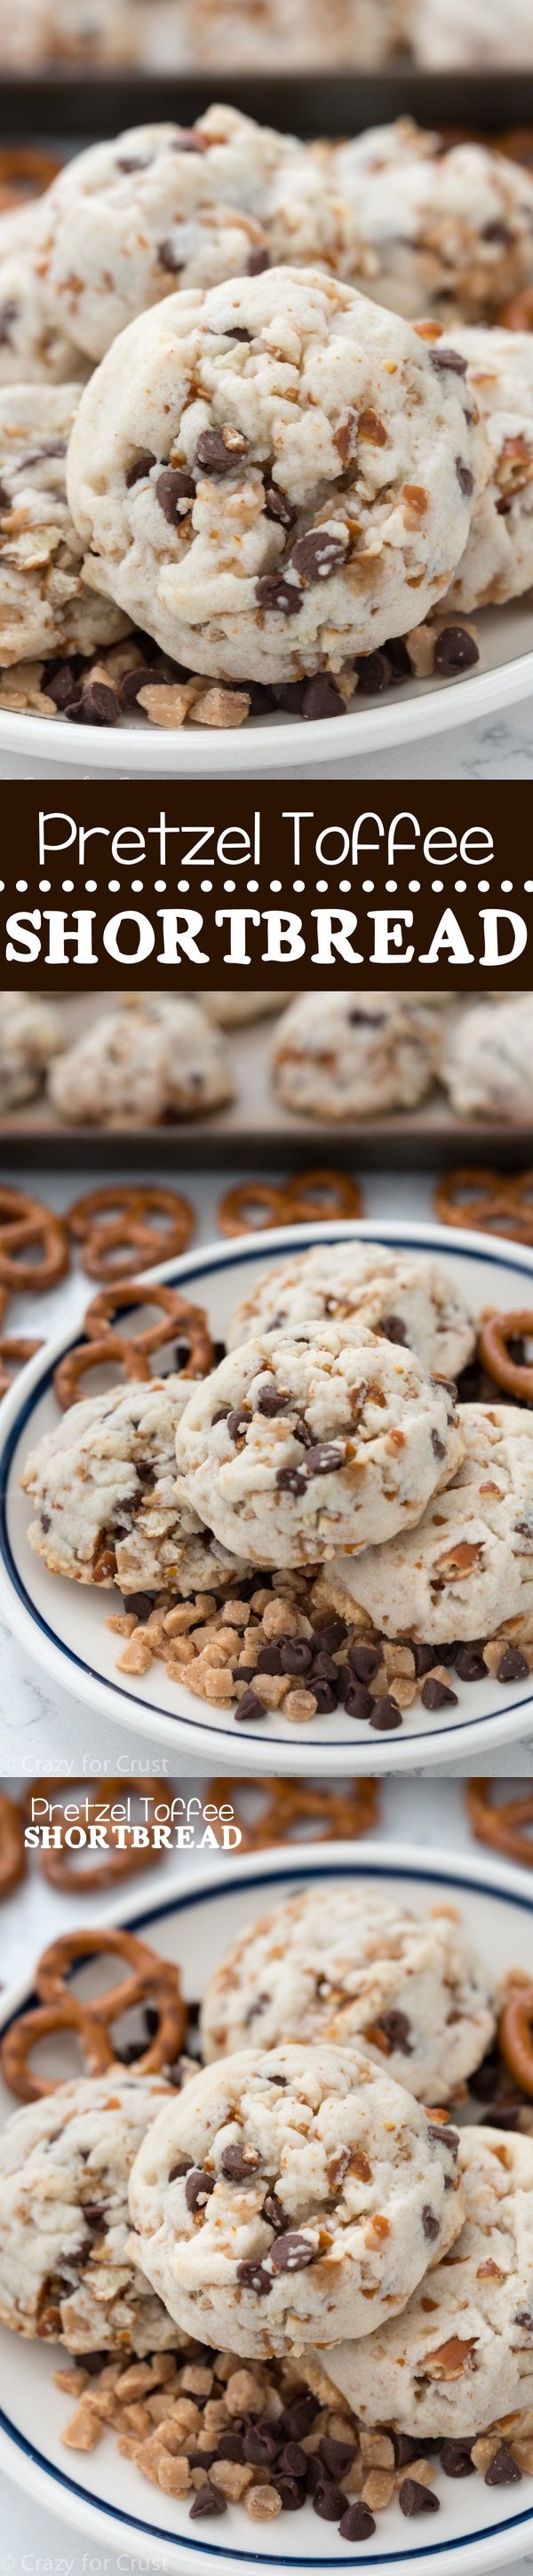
(103,2495)
(63,1625)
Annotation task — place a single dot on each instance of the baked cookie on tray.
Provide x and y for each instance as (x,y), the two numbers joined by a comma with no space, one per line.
(46,606)
(355,1055)
(67,2271)
(268,474)
(109,1510)
(489,1063)
(463,2358)
(306,1442)
(427,226)
(30,1034)
(467,1569)
(258,2199)
(409,1301)
(350,1966)
(137,1064)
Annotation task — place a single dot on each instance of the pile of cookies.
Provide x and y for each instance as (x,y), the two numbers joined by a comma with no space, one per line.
(171,35)
(312,456)
(281,2278)
(320,1519)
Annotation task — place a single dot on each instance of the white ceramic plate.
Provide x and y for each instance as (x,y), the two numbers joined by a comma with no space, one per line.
(404,715)
(63,1625)
(101,2494)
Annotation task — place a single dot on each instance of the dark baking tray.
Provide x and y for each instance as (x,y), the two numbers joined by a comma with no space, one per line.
(429,1142)
(73,106)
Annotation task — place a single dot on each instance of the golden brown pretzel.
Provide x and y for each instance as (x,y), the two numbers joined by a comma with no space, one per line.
(343,1814)
(12,1846)
(26,1225)
(252,1205)
(14,1351)
(503,1826)
(515,2036)
(177,1317)
(63,1867)
(152,1980)
(25,172)
(493,1202)
(115,1225)
(517,315)
(495,1333)
(117,1348)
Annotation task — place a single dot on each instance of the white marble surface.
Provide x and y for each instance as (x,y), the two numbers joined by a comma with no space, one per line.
(42,1727)
(498,747)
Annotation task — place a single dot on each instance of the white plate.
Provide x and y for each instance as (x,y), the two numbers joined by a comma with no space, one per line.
(63,1624)
(106,2496)
(275,742)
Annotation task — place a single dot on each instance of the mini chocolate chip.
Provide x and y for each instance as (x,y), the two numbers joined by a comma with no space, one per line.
(141,467)
(330,2502)
(413,2498)
(374,674)
(464,477)
(504,2470)
(272,1401)
(292,2253)
(237,2162)
(98,705)
(393,1328)
(169,257)
(258,260)
(62,687)
(524,2318)
(296,1655)
(455,2460)
(357,2523)
(260,2445)
(359,1702)
(222,1414)
(513,1666)
(207,2500)
(438,1445)
(430,2223)
(364,1661)
(183,2165)
(220,450)
(320,553)
(278,507)
(397,2029)
(253,2277)
(231,2446)
(321,697)
(173,486)
(292,2495)
(444,2137)
(297,2419)
(293,2461)
(470,1664)
(9,312)
(289,1480)
(269,1659)
(145,677)
(337,2456)
(250,1706)
(332,1636)
(273,591)
(198,2188)
(324,1668)
(323,1457)
(405,2448)
(385,1714)
(326,1695)
(237,1423)
(273,2212)
(448,361)
(435,1694)
(237,333)
(497,232)
(455,650)
(127,161)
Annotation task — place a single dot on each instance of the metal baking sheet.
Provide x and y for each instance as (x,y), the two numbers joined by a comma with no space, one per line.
(72,107)
(255,1133)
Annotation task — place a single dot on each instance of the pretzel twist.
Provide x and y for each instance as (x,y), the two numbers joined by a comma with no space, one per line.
(252,1205)
(503,1826)
(64,1868)
(152,1980)
(15,1349)
(27,1226)
(495,1333)
(517,315)
(493,1202)
(12,1845)
(515,2036)
(25,172)
(178,1318)
(112,1224)
(343,1814)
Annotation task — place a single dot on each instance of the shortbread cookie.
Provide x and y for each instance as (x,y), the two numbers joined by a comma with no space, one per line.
(153,1058)
(489,1065)
(30,1034)
(467,1570)
(305,1442)
(31,345)
(498,559)
(161,207)
(45,604)
(355,1055)
(463,2359)
(67,2271)
(109,1506)
(450,35)
(265,475)
(414,1301)
(289,2196)
(357,35)
(433,228)
(347,1965)
(232,1010)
